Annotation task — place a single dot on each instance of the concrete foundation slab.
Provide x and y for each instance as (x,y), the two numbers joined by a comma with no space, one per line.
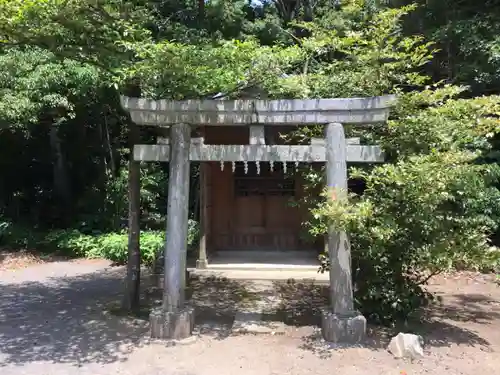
(254,323)
(262,265)
(201,264)
(265,275)
(172,325)
(345,329)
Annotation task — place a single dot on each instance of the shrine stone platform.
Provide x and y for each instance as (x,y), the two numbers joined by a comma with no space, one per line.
(264,265)
(264,275)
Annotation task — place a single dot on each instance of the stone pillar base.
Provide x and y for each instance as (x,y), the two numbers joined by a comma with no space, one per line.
(201,264)
(348,329)
(172,325)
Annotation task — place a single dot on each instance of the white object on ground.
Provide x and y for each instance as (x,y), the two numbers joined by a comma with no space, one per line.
(406,345)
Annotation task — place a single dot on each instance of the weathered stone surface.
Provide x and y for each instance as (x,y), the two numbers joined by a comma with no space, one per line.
(253,323)
(183,342)
(406,345)
(201,264)
(177,218)
(160,277)
(257,135)
(251,112)
(346,329)
(177,325)
(262,153)
(337,242)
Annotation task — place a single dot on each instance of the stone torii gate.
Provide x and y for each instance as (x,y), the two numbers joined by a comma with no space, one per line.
(175,319)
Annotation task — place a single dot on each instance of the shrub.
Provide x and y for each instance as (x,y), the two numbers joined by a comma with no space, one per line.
(108,207)
(17,236)
(418,217)
(4,228)
(71,242)
(433,207)
(193,233)
(114,246)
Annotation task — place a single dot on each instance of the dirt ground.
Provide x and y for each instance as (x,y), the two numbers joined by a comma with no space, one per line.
(54,319)
(15,260)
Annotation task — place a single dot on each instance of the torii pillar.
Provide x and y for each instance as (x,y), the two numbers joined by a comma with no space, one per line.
(340,322)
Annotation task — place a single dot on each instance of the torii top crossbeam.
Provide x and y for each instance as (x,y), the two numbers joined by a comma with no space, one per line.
(264,112)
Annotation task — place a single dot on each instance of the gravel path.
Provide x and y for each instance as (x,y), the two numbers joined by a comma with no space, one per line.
(52,321)
(54,313)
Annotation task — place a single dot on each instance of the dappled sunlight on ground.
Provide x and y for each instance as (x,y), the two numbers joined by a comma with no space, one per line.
(59,318)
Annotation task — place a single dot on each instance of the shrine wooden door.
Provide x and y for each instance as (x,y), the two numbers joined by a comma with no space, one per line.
(251,210)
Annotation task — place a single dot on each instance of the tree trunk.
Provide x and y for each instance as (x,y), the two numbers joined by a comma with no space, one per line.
(60,175)
(110,148)
(308,11)
(131,300)
(201,10)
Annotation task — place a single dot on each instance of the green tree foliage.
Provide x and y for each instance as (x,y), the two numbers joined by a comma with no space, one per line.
(33,81)
(367,58)
(467,35)
(407,227)
(434,205)
(90,31)
(434,208)
(177,71)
